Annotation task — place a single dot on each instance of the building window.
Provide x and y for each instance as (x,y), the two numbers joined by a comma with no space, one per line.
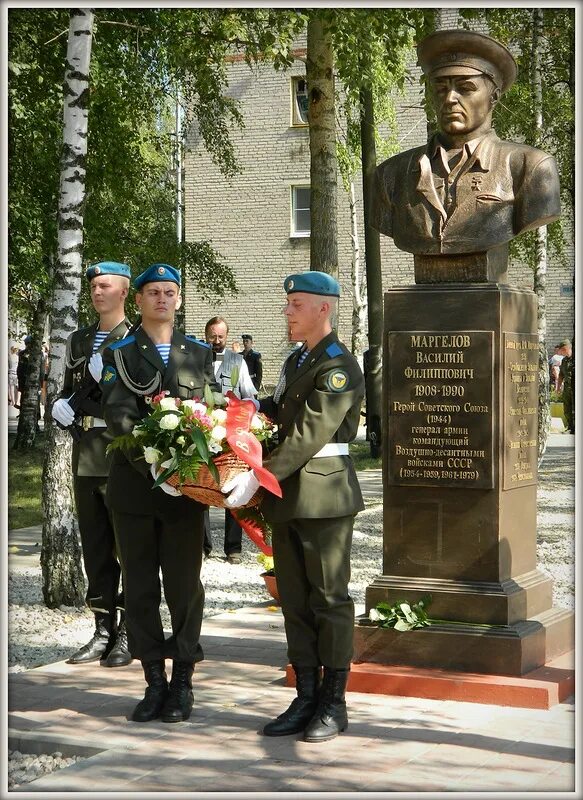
(300,203)
(299,89)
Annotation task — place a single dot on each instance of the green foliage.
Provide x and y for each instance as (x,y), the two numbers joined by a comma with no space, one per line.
(25,484)
(401,616)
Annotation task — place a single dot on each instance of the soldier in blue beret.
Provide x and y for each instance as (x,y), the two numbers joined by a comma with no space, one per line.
(317,408)
(109,284)
(157,528)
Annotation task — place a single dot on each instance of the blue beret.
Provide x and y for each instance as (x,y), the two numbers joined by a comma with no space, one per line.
(312,282)
(158,272)
(108,268)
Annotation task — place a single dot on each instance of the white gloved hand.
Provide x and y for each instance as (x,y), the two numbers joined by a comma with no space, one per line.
(62,412)
(154,472)
(96,366)
(242,488)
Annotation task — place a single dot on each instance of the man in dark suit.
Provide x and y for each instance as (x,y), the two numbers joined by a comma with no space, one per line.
(157,528)
(465,191)
(253,360)
(317,407)
(109,283)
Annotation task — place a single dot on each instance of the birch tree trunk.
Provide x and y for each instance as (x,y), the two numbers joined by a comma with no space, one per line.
(63,581)
(540,268)
(357,281)
(323,161)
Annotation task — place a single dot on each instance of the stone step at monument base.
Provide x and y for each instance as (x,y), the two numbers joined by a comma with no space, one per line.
(500,650)
(479,602)
(541,688)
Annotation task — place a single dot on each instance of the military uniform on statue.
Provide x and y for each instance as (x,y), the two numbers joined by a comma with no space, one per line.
(317,407)
(157,528)
(226,364)
(109,286)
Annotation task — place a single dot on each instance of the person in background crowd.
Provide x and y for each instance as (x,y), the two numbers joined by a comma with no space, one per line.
(253,360)
(157,528)
(554,366)
(316,405)
(236,346)
(13,393)
(109,285)
(566,383)
(226,363)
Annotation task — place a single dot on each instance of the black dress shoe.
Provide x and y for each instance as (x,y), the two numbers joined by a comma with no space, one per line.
(119,655)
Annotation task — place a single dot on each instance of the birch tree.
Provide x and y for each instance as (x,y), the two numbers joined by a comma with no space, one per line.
(63,582)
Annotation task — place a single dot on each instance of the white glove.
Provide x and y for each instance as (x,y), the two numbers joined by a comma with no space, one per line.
(154,472)
(242,487)
(62,412)
(96,366)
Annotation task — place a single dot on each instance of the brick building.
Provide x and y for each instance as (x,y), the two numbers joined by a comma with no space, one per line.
(259,221)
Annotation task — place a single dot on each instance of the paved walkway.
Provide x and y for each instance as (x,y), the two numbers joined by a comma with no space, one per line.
(393,744)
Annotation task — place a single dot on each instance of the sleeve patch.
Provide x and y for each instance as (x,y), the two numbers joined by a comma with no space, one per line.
(334,350)
(337,381)
(109,374)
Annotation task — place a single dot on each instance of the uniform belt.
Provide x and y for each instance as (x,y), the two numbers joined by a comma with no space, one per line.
(332,449)
(93,422)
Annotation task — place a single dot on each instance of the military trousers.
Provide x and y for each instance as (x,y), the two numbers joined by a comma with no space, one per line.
(312,565)
(233,533)
(98,544)
(150,544)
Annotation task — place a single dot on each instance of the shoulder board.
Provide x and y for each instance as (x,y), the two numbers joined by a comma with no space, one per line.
(197,341)
(122,342)
(334,350)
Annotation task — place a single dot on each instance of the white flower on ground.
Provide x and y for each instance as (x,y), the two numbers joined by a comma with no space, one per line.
(169,422)
(257,423)
(168,404)
(374,615)
(218,415)
(218,433)
(151,454)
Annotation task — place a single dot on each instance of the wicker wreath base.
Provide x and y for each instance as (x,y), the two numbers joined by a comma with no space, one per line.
(206,490)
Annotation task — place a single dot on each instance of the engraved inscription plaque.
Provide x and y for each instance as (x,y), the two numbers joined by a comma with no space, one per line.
(520,410)
(440,409)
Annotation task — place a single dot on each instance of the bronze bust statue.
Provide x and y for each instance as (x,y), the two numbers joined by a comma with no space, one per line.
(457,201)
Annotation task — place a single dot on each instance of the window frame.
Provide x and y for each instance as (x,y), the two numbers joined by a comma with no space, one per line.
(294,232)
(295,118)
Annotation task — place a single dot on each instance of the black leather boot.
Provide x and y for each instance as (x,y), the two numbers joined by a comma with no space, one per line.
(156,692)
(303,706)
(330,717)
(101,642)
(119,655)
(180,698)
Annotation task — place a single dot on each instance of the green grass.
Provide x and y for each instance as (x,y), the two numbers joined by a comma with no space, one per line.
(360,452)
(24,484)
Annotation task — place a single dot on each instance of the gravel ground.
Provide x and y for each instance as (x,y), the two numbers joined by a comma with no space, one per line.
(39,636)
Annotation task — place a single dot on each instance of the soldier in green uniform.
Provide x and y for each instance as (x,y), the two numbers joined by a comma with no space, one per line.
(566,384)
(156,528)
(317,407)
(109,284)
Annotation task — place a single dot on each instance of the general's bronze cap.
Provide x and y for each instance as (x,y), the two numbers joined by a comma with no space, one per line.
(450,50)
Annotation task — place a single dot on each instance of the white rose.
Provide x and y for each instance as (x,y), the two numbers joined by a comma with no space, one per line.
(151,455)
(218,415)
(168,404)
(181,440)
(192,405)
(169,422)
(257,423)
(374,615)
(218,433)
